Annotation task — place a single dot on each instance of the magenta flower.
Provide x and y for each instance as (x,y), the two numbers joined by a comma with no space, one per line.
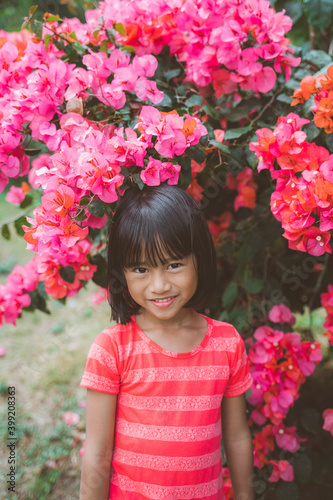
(328,420)
(281,314)
(282,469)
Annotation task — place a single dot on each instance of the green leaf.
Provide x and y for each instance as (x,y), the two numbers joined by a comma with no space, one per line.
(84,201)
(111,35)
(194,100)
(243,109)
(137,179)
(120,28)
(234,133)
(32,10)
(47,40)
(230,294)
(186,172)
(100,275)
(246,253)
(80,49)
(67,273)
(311,420)
(317,57)
(196,153)
(303,467)
(312,131)
(96,33)
(18,225)
(37,28)
(220,146)
(319,13)
(213,113)
(254,285)
(238,318)
(172,73)
(26,202)
(329,142)
(287,491)
(52,17)
(5,232)
(166,102)
(294,10)
(32,151)
(129,48)
(96,208)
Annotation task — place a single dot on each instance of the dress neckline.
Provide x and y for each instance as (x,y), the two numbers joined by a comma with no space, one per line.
(172,354)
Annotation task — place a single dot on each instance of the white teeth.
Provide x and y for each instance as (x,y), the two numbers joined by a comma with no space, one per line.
(163,300)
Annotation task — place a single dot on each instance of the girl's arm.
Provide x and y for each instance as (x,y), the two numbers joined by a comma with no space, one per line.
(98,448)
(237,443)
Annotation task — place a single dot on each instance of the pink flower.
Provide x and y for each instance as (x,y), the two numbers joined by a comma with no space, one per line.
(326,220)
(71,418)
(282,469)
(147,89)
(171,146)
(287,438)
(81,452)
(151,174)
(15,195)
(281,314)
(2,350)
(328,420)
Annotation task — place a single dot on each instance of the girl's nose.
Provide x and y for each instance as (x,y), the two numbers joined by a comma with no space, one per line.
(159,282)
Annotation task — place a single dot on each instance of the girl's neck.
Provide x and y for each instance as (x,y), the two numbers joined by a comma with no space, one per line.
(186,318)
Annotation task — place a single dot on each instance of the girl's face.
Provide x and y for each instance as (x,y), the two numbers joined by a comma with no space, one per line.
(163,291)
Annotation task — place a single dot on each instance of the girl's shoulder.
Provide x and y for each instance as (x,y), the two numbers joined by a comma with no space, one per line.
(222,328)
(115,334)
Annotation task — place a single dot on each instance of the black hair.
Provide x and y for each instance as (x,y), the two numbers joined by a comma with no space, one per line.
(159,221)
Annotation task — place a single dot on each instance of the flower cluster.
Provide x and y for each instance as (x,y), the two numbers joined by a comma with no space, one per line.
(226,43)
(328,420)
(280,362)
(246,188)
(33,100)
(279,365)
(303,199)
(89,164)
(327,302)
(321,87)
(14,296)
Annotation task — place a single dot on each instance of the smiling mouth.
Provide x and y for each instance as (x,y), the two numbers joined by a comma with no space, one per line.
(166,299)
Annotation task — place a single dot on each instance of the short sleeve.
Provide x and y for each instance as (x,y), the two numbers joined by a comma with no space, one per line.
(240,379)
(101,372)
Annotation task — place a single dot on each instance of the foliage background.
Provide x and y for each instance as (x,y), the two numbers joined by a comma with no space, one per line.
(257,268)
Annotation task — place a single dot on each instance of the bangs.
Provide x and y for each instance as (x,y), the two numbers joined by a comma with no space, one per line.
(154,242)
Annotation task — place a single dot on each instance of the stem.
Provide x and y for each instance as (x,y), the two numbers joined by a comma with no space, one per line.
(319,282)
(272,99)
(18,216)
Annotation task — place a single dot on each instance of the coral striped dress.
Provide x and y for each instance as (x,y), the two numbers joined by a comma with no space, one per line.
(168,421)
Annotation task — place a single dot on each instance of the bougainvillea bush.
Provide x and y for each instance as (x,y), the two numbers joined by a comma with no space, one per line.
(195,93)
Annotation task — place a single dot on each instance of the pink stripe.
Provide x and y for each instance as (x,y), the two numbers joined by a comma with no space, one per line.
(168,433)
(99,383)
(178,374)
(163,463)
(158,492)
(171,403)
(104,357)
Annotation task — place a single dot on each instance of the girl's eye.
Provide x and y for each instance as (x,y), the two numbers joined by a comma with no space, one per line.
(140,270)
(175,265)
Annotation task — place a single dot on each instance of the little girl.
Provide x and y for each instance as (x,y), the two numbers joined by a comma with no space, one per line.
(165,381)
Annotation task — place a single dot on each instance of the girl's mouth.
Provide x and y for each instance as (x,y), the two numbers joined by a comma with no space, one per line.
(163,302)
